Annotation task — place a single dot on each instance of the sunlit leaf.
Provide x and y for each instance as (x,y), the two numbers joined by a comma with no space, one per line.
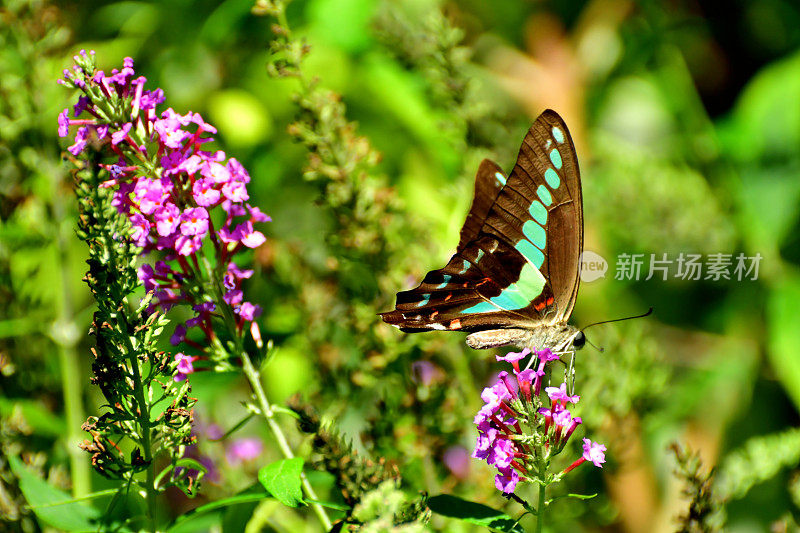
(41,496)
(282,480)
(474,513)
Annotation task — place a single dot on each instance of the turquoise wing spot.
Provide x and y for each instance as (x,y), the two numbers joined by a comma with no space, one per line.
(544,195)
(539,212)
(500,178)
(555,157)
(517,295)
(531,282)
(482,307)
(464,268)
(552,179)
(446,278)
(558,134)
(531,253)
(478,257)
(510,298)
(424,301)
(535,233)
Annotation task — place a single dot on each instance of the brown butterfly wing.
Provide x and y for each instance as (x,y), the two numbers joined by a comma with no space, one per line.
(517,262)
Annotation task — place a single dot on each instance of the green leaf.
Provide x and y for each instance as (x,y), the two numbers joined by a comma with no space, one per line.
(282,480)
(329,505)
(474,513)
(41,497)
(784,322)
(573,495)
(36,415)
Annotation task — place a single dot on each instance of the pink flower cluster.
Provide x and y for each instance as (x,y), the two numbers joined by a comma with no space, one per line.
(501,441)
(183,202)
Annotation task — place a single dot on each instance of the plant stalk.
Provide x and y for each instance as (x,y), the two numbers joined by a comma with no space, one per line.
(144,423)
(254,377)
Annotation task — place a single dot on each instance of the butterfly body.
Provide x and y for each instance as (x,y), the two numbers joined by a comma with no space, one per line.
(514,277)
(558,337)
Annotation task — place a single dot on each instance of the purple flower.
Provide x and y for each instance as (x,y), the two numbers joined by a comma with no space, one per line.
(167,186)
(216,173)
(235,191)
(204,193)
(194,221)
(250,237)
(184,367)
(150,194)
(141,229)
(546,355)
(510,385)
(483,444)
(205,307)
(233,297)
(178,336)
(145,274)
(502,453)
(167,219)
(63,123)
(506,481)
(188,244)
(257,216)
(575,421)
(424,372)
(121,134)
(204,126)
(594,452)
(456,459)
(233,275)
(238,171)
(514,357)
(150,99)
(245,449)
(560,394)
(83,103)
(494,396)
(562,418)
(227,236)
(248,311)
(80,141)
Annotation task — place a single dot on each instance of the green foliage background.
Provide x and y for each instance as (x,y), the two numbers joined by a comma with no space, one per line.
(687,124)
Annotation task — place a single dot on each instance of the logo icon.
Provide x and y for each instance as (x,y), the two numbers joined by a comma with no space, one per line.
(593,266)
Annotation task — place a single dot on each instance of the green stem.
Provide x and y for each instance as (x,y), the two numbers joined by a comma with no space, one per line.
(254,377)
(144,423)
(540,509)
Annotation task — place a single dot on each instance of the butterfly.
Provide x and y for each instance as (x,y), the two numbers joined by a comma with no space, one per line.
(515,274)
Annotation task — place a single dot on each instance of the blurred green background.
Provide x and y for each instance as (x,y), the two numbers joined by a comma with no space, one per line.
(686,118)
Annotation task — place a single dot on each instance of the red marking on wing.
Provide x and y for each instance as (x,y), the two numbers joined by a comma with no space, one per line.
(433,315)
(544,303)
(455,324)
(449,295)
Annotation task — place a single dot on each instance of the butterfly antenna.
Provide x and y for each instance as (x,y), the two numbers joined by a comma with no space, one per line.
(648,313)
(596,347)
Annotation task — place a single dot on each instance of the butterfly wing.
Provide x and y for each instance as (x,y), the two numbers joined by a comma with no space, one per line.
(488,183)
(517,261)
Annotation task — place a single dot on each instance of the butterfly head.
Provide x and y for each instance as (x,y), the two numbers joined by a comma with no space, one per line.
(579,340)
